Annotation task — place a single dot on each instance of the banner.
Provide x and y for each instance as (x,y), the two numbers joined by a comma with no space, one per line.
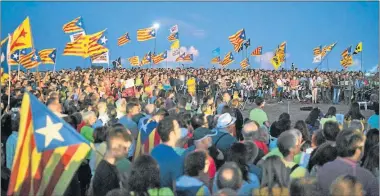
(74,36)
(100,59)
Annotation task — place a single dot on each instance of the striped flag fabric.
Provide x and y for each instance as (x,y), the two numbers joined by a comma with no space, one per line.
(172,37)
(160,57)
(146,34)
(257,52)
(48,56)
(134,61)
(77,48)
(14,57)
(180,58)
(75,36)
(73,26)
(346,61)
(175,45)
(147,138)
(215,60)
(317,51)
(97,43)
(5,67)
(346,52)
(237,39)
(100,58)
(21,38)
(30,60)
(244,63)
(146,59)
(188,58)
(123,39)
(48,151)
(228,59)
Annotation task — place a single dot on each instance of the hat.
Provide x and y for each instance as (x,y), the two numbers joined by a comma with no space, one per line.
(201,133)
(225,120)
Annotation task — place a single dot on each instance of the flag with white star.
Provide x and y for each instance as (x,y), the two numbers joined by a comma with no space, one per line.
(146,34)
(48,153)
(48,56)
(30,60)
(73,26)
(4,72)
(98,43)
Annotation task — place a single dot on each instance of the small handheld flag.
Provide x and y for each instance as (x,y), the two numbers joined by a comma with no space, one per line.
(228,59)
(215,60)
(173,37)
(245,63)
(123,39)
(146,34)
(48,56)
(237,39)
(257,52)
(73,26)
(134,61)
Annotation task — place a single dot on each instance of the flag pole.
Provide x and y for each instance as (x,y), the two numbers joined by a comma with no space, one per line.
(361,61)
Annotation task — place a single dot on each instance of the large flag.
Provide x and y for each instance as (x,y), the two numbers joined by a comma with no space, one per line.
(237,39)
(281,52)
(160,57)
(175,45)
(147,138)
(317,51)
(48,152)
(146,59)
(48,56)
(180,58)
(358,48)
(100,58)
(347,61)
(174,29)
(245,63)
(97,43)
(21,37)
(30,60)
(77,48)
(134,61)
(75,36)
(331,46)
(146,34)
(216,52)
(173,37)
(188,58)
(123,39)
(258,51)
(276,62)
(346,52)
(74,26)
(5,67)
(228,59)
(215,60)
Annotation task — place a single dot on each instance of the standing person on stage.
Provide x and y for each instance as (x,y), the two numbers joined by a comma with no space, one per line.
(347,89)
(336,89)
(280,88)
(314,89)
(294,84)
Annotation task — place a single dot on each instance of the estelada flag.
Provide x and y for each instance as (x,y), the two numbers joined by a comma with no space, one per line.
(173,37)
(73,26)
(215,60)
(237,39)
(160,57)
(123,39)
(77,48)
(228,59)
(188,57)
(134,61)
(48,56)
(21,37)
(317,51)
(30,60)
(180,58)
(48,153)
(146,59)
(245,63)
(146,34)
(97,43)
(257,52)
(147,138)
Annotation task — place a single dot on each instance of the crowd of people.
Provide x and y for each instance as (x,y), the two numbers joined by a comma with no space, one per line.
(182,131)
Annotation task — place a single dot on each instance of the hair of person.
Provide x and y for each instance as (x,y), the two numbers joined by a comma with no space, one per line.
(51,100)
(100,134)
(250,134)
(342,183)
(354,112)
(195,163)
(274,173)
(226,192)
(143,175)
(303,186)
(259,101)
(372,139)
(330,112)
(235,103)
(118,192)
(118,132)
(347,142)
(330,130)
(161,112)
(252,151)
(238,153)
(371,161)
(165,127)
(130,106)
(302,127)
(227,109)
(319,137)
(197,121)
(87,115)
(321,155)
(184,119)
(159,102)
(229,176)
(283,123)
(376,107)
(313,116)
(285,142)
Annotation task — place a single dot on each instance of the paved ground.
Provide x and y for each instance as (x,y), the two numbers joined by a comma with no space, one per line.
(274,110)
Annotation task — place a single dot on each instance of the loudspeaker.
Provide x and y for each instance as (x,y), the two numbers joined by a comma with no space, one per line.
(308,108)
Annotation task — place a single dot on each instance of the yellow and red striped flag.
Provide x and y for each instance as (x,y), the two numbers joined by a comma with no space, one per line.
(237,39)
(73,26)
(346,61)
(257,52)
(160,57)
(180,58)
(48,56)
(215,60)
(146,59)
(97,43)
(77,48)
(245,63)
(30,60)
(146,34)
(123,39)
(21,37)
(173,36)
(228,59)
(134,61)
(188,58)
(346,52)
(48,151)
(317,51)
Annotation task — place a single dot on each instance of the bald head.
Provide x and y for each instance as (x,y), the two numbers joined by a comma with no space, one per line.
(150,108)
(250,130)
(229,176)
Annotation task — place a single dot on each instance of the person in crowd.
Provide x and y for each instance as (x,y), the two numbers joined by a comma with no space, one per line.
(314,89)
(302,127)
(103,115)
(373,121)
(371,162)
(229,176)
(347,185)
(275,178)
(121,107)
(149,110)
(87,131)
(224,138)
(280,88)
(196,164)
(144,178)
(186,130)
(11,143)
(258,114)
(106,175)
(252,132)
(117,192)
(126,120)
(199,120)
(252,152)
(281,125)
(313,120)
(53,104)
(329,116)
(330,131)
(239,118)
(350,149)
(322,154)
(226,101)
(169,103)
(100,138)
(303,186)
(170,163)
(372,139)
(354,114)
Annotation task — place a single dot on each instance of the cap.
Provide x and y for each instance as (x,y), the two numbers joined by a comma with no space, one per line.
(201,132)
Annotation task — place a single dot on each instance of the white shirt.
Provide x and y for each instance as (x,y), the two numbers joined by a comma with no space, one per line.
(280,83)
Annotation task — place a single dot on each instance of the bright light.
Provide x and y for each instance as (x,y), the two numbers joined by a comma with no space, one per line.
(156,26)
